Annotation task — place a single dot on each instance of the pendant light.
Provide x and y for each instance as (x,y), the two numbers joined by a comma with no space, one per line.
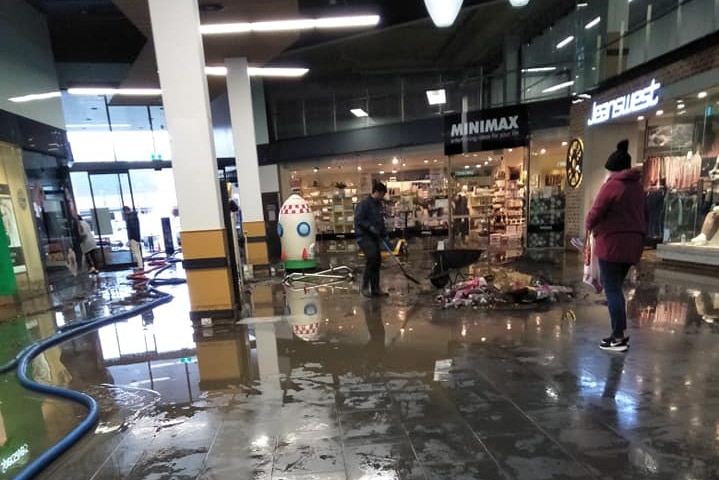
(519,3)
(443,12)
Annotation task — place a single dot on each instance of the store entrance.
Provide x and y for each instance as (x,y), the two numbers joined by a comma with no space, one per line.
(111,192)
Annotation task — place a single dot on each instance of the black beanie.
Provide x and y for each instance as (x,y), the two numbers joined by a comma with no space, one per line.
(619,160)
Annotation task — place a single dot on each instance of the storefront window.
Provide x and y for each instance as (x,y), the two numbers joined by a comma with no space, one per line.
(489,201)
(417,203)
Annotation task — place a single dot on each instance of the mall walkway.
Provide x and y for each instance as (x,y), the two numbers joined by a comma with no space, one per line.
(385,389)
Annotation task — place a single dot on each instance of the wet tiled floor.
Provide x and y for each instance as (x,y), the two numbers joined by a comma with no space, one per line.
(379,389)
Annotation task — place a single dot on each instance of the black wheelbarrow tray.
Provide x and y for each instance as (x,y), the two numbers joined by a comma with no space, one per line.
(449,265)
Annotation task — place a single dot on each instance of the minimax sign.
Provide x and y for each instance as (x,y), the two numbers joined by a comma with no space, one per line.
(637,101)
(483,130)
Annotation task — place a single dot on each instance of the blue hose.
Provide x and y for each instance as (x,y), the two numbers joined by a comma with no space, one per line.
(28,354)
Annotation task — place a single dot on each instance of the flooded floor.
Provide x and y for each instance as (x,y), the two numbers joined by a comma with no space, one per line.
(330,385)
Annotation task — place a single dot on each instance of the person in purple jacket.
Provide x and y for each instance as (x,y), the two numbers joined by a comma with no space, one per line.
(618,222)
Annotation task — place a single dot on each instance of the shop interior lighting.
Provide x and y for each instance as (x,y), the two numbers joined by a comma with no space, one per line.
(558,87)
(466,167)
(519,3)
(585,4)
(395,161)
(359,168)
(292,25)
(660,113)
(585,96)
(681,106)
(437,97)
(640,118)
(543,151)
(538,69)
(359,113)
(115,91)
(479,165)
(564,144)
(315,169)
(394,171)
(702,95)
(565,42)
(381,172)
(35,96)
(593,23)
(434,161)
(279,72)
(443,12)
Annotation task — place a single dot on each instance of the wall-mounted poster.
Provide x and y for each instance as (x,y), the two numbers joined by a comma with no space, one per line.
(10,222)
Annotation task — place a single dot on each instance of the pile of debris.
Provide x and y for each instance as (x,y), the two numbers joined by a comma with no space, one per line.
(502,288)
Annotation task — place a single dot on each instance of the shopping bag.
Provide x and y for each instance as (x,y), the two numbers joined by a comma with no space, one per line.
(591,275)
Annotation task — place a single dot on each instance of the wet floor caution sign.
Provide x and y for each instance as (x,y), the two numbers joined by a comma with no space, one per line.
(8,285)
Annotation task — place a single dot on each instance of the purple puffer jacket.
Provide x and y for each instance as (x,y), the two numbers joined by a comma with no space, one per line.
(618,218)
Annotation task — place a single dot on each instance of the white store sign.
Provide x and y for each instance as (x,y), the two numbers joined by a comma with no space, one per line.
(634,102)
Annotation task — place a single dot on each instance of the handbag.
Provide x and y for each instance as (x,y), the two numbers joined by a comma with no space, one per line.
(591,276)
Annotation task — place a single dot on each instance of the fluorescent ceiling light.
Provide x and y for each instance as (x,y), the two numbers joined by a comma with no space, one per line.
(115,91)
(593,23)
(443,12)
(35,96)
(358,112)
(519,3)
(702,95)
(292,25)
(97,125)
(565,42)
(585,4)
(437,97)
(284,72)
(558,87)
(538,69)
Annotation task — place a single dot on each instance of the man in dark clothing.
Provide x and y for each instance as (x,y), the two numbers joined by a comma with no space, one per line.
(132,223)
(371,232)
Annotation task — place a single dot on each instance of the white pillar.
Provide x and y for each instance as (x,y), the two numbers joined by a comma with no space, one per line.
(239,94)
(181,65)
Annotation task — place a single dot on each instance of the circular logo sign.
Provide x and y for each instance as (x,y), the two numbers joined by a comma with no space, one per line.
(310,309)
(575,163)
(303,229)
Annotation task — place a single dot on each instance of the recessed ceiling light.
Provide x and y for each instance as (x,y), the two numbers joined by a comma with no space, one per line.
(565,42)
(543,151)
(279,72)
(593,23)
(427,161)
(640,117)
(519,3)
(404,164)
(379,164)
(538,69)
(381,172)
(681,106)
(394,171)
(292,25)
(511,150)
(359,113)
(315,169)
(564,144)
(702,95)
(486,162)
(478,165)
(660,113)
(559,86)
(434,161)
(466,166)
(35,96)
(359,168)
(115,91)
(329,168)
(395,161)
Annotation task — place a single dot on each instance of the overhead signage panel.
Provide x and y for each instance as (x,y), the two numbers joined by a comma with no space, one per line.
(484,130)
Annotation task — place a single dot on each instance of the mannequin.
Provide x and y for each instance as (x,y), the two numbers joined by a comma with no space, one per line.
(709,229)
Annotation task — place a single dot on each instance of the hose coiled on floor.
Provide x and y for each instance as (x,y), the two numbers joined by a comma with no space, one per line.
(28,354)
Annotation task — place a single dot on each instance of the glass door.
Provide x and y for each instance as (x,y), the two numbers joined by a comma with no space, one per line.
(111,192)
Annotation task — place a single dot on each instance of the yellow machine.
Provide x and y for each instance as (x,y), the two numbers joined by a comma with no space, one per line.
(399,249)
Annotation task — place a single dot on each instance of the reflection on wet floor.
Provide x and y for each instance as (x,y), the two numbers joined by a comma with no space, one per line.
(329,385)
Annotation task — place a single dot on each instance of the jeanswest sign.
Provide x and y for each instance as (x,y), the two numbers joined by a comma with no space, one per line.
(634,102)
(485,130)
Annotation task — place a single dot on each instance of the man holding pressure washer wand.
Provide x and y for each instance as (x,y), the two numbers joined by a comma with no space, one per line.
(371,235)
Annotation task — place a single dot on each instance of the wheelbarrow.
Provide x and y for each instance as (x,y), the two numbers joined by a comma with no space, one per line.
(449,265)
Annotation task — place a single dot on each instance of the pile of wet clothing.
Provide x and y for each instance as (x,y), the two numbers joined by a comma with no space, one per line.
(503,288)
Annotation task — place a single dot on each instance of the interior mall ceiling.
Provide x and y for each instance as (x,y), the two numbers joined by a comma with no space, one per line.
(110,41)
